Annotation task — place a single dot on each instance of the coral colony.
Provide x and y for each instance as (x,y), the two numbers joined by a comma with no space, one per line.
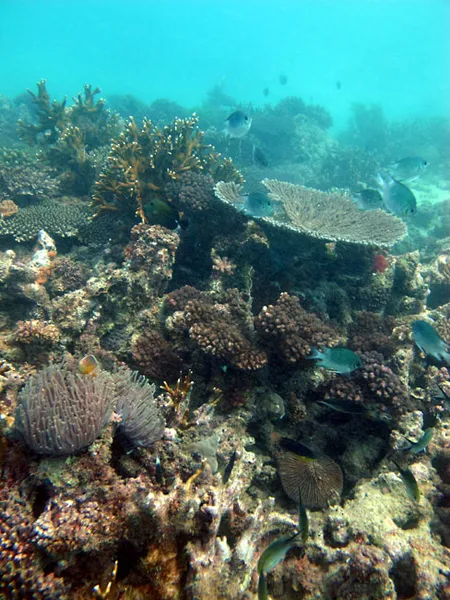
(198,402)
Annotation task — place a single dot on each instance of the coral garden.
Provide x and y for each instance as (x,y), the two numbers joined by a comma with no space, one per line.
(155,339)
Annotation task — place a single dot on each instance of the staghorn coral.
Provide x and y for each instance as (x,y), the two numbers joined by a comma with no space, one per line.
(143,161)
(51,116)
(58,218)
(60,412)
(333,216)
(141,422)
(290,332)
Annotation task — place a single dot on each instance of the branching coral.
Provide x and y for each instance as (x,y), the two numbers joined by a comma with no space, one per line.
(333,216)
(52,117)
(290,332)
(143,161)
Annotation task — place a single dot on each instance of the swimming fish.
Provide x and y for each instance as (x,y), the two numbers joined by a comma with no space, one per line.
(408,169)
(238,124)
(283,79)
(88,365)
(368,199)
(429,341)
(257,204)
(307,474)
(412,488)
(422,443)
(303,523)
(397,197)
(275,552)
(339,360)
(229,467)
(266,91)
(346,406)
(263,592)
(338,85)
(259,158)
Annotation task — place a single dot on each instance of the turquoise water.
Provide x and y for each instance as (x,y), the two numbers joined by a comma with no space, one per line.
(392,52)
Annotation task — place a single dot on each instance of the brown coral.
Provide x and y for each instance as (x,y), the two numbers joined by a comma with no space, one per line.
(290,331)
(8,208)
(38,333)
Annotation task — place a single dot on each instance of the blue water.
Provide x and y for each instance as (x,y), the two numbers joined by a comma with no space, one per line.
(392,52)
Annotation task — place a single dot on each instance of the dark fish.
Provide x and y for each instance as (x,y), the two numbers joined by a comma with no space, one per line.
(429,341)
(158,470)
(275,552)
(229,467)
(397,197)
(346,406)
(238,124)
(308,475)
(443,395)
(283,79)
(412,488)
(259,158)
(266,91)
(339,360)
(258,204)
(408,169)
(368,199)
(422,443)
(338,85)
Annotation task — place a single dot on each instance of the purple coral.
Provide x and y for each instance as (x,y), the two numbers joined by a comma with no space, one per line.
(60,412)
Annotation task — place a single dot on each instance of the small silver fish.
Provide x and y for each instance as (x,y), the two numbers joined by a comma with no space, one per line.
(408,169)
(257,204)
(397,197)
(259,158)
(429,341)
(238,124)
(339,360)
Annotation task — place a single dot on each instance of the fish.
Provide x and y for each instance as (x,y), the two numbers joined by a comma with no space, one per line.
(283,79)
(338,85)
(158,470)
(266,91)
(407,169)
(257,204)
(397,197)
(368,199)
(422,443)
(303,523)
(238,124)
(307,474)
(412,488)
(338,360)
(275,553)
(259,158)
(229,467)
(443,395)
(429,341)
(346,406)
(263,592)
(88,365)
